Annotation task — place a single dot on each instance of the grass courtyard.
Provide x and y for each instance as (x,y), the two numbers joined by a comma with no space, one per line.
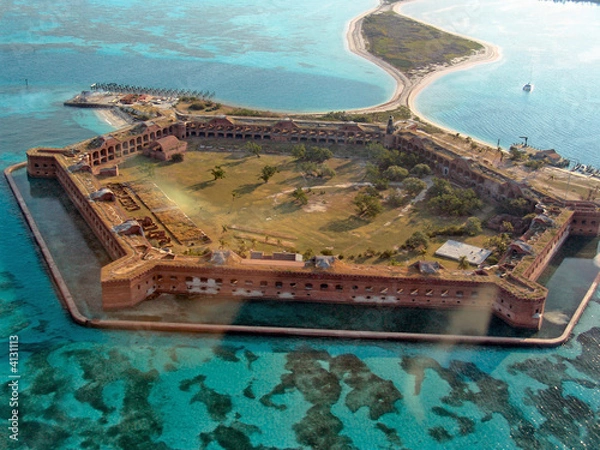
(242,212)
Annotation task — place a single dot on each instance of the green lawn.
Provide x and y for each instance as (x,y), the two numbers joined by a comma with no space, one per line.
(265,215)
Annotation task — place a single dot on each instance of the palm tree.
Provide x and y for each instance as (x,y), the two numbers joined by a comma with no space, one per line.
(463,263)
(217,172)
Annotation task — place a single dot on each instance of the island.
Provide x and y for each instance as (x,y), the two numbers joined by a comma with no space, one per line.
(191,199)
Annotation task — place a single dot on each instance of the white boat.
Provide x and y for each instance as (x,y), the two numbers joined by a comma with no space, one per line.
(528,87)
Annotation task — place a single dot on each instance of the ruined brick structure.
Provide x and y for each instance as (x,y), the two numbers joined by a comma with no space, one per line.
(139,271)
(286,130)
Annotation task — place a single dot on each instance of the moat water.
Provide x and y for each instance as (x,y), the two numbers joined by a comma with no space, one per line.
(84,388)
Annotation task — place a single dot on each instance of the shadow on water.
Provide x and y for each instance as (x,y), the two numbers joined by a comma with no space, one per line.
(76,251)
(79,256)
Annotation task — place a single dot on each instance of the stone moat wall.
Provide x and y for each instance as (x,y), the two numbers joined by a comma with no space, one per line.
(516,300)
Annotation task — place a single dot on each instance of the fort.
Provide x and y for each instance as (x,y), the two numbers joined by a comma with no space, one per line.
(140,271)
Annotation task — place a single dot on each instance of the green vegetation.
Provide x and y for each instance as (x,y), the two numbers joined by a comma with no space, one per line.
(472,227)
(217,172)
(395,173)
(224,193)
(515,207)
(411,46)
(367,205)
(413,185)
(312,154)
(253,148)
(300,196)
(400,113)
(444,199)
(267,173)
(417,240)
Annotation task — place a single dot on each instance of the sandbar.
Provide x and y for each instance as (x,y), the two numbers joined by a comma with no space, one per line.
(407,89)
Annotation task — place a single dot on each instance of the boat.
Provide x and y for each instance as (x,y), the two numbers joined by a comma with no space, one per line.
(528,87)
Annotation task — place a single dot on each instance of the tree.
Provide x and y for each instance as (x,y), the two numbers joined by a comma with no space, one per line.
(421,170)
(367,205)
(309,169)
(439,187)
(308,254)
(498,243)
(217,172)
(534,164)
(516,206)
(267,173)
(253,148)
(318,154)
(395,173)
(325,172)
(458,202)
(508,226)
(417,240)
(300,196)
(396,199)
(516,154)
(472,226)
(372,173)
(299,152)
(413,185)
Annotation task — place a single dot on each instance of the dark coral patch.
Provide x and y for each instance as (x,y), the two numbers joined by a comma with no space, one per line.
(226,353)
(440,434)
(320,429)
(589,360)
(368,390)
(40,434)
(218,405)
(540,369)
(492,395)
(391,434)
(250,357)
(466,426)
(249,392)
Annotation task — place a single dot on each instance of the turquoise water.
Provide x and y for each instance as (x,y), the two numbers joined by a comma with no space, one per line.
(294,60)
(84,388)
(553,45)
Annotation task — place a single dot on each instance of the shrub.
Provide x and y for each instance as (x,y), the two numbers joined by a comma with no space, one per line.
(421,170)
(417,240)
(413,185)
(395,173)
(197,106)
(472,226)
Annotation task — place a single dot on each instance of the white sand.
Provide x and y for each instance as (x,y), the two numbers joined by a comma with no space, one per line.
(111,117)
(408,89)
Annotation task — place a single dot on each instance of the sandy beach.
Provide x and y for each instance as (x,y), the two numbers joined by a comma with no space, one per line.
(112,117)
(407,89)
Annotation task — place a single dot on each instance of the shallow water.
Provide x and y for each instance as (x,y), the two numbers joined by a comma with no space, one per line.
(84,388)
(553,45)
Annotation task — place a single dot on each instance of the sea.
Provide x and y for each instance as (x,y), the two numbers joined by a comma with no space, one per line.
(69,387)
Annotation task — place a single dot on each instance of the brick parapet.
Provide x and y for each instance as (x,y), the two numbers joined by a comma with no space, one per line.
(129,280)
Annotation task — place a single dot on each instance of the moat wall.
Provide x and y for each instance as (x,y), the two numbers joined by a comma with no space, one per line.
(418,291)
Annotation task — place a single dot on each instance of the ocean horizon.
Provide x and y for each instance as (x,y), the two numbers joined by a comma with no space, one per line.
(87,388)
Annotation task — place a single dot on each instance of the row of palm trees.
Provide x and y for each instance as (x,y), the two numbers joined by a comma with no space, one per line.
(158,92)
